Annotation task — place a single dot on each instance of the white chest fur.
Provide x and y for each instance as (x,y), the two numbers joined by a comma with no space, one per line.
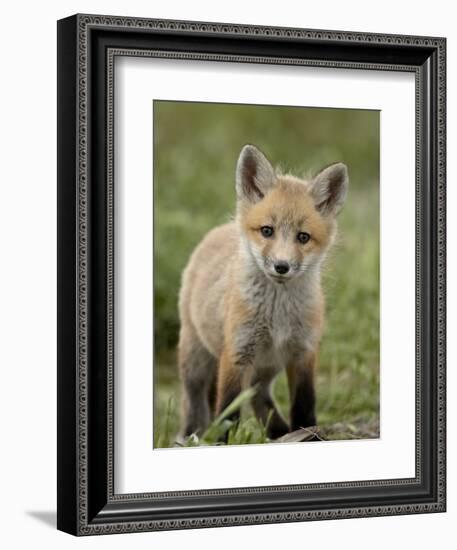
(282,322)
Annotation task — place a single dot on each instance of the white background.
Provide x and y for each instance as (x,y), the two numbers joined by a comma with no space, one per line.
(136,467)
(28,280)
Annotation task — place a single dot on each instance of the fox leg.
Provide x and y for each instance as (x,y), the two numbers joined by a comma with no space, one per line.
(198,372)
(229,383)
(301,388)
(265,408)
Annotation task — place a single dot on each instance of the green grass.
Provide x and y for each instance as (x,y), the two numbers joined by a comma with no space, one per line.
(195,152)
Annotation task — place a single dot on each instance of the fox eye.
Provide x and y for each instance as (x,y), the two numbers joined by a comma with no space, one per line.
(267,231)
(303,237)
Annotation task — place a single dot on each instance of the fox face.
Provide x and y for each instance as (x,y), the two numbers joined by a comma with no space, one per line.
(287,224)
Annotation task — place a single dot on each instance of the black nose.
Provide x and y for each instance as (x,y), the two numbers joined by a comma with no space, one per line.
(282,267)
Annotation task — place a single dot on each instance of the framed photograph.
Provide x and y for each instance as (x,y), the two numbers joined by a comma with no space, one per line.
(251,274)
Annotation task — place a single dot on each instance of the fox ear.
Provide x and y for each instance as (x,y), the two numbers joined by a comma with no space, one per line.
(254,174)
(329,188)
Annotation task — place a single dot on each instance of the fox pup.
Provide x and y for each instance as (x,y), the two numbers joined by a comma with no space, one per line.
(251,301)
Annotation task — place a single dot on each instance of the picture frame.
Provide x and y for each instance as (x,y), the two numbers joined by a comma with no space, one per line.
(87,501)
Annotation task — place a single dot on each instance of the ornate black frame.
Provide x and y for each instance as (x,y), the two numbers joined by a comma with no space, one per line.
(87,45)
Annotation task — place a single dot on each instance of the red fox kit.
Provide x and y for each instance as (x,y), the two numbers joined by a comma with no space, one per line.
(251,301)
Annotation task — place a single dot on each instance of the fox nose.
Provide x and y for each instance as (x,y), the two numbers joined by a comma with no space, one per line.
(282,267)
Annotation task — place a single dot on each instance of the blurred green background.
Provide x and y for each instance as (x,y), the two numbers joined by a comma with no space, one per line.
(196,146)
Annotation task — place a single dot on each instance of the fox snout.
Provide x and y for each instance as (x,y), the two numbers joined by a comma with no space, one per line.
(281,270)
(281,267)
